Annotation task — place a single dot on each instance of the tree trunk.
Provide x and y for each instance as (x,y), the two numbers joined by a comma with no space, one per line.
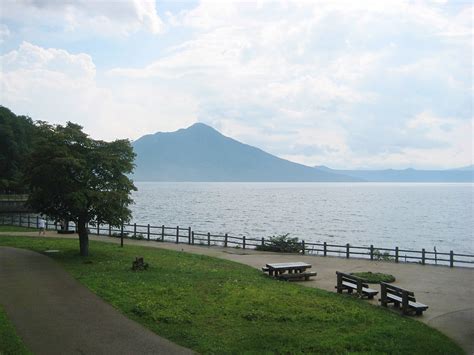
(83,237)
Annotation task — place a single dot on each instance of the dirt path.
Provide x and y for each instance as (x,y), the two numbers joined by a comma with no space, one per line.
(55,314)
(447,291)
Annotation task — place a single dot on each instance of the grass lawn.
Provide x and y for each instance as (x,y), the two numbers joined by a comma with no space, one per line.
(16,229)
(217,306)
(10,342)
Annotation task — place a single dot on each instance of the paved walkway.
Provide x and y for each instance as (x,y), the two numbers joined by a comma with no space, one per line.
(447,291)
(55,314)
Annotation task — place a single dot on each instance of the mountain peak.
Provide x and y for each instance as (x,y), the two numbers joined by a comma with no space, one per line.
(200,126)
(201,153)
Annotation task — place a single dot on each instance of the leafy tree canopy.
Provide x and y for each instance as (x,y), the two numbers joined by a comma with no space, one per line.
(74,177)
(17,137)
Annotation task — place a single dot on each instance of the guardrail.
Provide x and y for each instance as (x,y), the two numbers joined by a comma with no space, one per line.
(188,236)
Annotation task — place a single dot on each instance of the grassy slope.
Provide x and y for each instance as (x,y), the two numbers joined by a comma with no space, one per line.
(10,342)
(217,306)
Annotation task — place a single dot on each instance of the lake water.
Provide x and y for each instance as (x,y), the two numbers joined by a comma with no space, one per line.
(407,215)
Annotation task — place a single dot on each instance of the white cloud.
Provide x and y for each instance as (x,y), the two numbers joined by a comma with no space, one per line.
(103,18)
(57,86)
(345,84)
(4,33)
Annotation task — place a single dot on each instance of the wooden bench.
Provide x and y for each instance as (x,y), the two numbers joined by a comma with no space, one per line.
(300,276)
(353,283)
(399,296)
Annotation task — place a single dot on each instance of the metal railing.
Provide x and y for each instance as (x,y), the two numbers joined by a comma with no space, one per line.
(188,236)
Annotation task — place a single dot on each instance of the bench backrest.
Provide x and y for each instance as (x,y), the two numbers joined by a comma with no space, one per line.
(351,278)
(397,291)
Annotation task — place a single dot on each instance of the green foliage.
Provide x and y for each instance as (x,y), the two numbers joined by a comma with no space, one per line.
(17,137)
(10,342)
(385,256)
(374,277)
(215,306)
(282,244)
(74,177)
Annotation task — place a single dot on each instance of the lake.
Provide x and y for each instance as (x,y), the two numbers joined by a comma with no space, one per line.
(408,215)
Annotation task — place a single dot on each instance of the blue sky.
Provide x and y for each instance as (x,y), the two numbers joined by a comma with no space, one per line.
(366,84)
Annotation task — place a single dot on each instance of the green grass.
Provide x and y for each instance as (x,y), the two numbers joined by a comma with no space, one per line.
(374,277)
(10,342)
(217,306)
(16,229)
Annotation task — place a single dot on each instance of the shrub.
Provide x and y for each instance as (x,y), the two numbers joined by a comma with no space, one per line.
(282,244)
(374,277)
(378,255)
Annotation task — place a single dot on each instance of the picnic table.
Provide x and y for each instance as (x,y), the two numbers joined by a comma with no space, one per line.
(289,271)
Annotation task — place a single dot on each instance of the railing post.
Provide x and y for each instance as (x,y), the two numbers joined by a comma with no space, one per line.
(371,252)
(98,228)
(451,259)
(28,221)
(325,249)
(347,250)
(192,237)
(423,256)
(37,221)
(243,242)
(396,254)
(189,235)
(303,246)
(148,231)
(225,240)
(121,235)
(135,230)
(163,233)
(110,230)
(177,234)
(46,223)
(208,239)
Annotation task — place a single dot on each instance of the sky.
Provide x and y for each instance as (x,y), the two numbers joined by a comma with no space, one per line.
(347,84)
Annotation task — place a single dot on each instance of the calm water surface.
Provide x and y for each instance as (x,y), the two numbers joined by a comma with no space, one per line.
(407,215)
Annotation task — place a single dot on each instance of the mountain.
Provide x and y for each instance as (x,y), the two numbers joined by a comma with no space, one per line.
(465,174)
(200,153)
(466,168)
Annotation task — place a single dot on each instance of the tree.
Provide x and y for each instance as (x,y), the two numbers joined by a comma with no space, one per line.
(17,136)
(74,177)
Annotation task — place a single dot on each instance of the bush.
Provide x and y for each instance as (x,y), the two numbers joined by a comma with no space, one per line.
(378,255)
(374,277)
(282,244)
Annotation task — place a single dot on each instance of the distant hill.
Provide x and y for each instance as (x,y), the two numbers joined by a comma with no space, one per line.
(200,153)
(465,174)
(466,168)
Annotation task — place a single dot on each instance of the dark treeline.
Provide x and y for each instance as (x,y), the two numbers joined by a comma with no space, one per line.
(17,137)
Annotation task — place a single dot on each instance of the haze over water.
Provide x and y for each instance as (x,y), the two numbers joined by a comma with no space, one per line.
(408,215)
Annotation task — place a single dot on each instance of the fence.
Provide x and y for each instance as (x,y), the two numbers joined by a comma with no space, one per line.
(188,236)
